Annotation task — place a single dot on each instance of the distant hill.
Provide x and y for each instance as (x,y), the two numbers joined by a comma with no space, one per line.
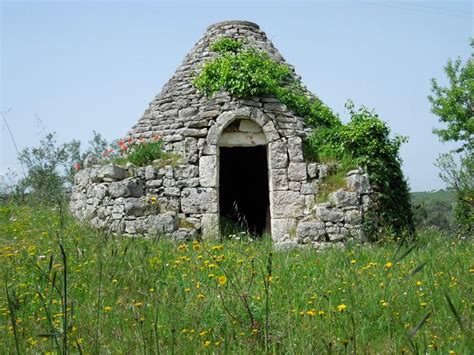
(434,209)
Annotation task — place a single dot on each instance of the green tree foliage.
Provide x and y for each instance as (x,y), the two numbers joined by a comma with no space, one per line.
(460,177)
(454,105)
(434,209)
(50,167)
(244,71)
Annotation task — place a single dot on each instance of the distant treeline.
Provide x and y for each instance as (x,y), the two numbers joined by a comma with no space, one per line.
(434,209)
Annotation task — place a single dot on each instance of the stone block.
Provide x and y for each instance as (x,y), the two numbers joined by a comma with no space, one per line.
(313,170)
(149,172)
(171,191)
(294,186)
(342,198)
(314,230)
(278,155)
(210,225)
(358,182)
(295,150)
(161,223)
(208,171)
(307,189)
(249,126)
(328,214)
(125,188)
(199,200)
(187,112)
(353,217)
(297,172)
(112,172)
(281,228)
(134,207)
(185,171)
(287,204)
(184,234)
(278,180)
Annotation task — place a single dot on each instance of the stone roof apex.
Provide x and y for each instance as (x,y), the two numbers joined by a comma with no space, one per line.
(235,23)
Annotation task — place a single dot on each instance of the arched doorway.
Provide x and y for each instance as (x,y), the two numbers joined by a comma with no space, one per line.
(243,176)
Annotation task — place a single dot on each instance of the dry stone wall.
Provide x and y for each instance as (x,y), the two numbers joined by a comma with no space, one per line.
(170,201)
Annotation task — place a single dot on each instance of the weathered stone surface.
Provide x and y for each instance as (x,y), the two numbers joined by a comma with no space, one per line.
(112,172)
(323,171)
(307,189)
(184,234)
(353,217)
(242,139)
(135,226)
(314,230)
(336,233)
(249,126)
(341,198)
(185,171)
(125,188)
(358,182)
(187,112)
(208,171)
(313,170)
(287,204)
(279,180)
(278,155)
(172,191)
(297,172)
(199,200)
(135,207)
(149,172)
(210,225)
(282,228)
(295,150)
(98,191)
(161,223)
(327,214)
(294,186)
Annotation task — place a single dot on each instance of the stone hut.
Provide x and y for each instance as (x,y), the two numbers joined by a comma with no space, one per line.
(239,159)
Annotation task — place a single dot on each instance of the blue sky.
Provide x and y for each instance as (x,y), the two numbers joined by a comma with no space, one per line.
(83,66)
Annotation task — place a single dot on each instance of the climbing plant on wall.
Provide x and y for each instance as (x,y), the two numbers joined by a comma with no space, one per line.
(244,71)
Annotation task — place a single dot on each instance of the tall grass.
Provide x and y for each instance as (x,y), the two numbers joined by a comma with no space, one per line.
(110,294)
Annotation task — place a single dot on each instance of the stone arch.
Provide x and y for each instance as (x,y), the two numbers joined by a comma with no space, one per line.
(211,152)
(253,114)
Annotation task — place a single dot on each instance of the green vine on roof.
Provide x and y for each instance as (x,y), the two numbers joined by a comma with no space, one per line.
(245,72)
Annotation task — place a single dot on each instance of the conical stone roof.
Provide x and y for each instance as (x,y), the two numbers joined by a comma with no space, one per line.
(181,111)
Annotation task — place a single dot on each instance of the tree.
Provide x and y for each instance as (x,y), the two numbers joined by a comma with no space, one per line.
(454,105)
(460,177)
(50,167)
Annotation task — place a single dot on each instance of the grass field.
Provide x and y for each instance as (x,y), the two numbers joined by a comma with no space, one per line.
(145,296)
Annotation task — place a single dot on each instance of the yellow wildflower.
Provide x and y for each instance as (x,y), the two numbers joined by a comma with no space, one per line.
(222,280)
(341,307)
(311,312)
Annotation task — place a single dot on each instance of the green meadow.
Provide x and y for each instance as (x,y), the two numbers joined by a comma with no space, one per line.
(69,289)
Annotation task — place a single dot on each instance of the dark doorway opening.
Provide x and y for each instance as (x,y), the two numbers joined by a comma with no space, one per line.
(244,187)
